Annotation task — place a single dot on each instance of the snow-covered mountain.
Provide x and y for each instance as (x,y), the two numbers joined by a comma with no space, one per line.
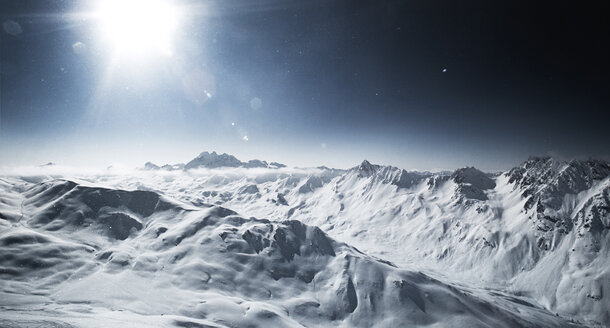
(526,247)
(214,160)
(91,256)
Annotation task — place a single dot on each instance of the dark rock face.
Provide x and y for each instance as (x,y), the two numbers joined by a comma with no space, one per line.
(213,160)
(347,296)
(250,189)
(474,177)
(437,180)
(390,175)
(312,183)
(550,180)
(407,179)
(151,166)
(471,192)
(291,240)
(472,183)
(594,217)
(366,169)
(253,163)
(281,199)
(256,241)
(173,167)
(545,182)
(119,225)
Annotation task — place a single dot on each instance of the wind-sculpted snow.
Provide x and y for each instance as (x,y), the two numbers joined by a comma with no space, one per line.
(62,265)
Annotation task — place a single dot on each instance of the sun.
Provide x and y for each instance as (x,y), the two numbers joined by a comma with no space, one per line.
(138,27)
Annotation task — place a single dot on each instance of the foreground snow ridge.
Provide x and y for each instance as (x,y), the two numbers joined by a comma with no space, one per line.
(252,244)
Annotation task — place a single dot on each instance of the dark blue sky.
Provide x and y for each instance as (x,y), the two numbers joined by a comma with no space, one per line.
(311,83)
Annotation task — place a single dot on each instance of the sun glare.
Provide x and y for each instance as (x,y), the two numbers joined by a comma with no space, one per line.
(138,27)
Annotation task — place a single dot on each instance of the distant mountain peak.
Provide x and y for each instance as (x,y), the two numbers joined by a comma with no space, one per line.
(255,163)
(473,176)
(277,165)
(367,169)
(212,160)
(151,166)
(539,158)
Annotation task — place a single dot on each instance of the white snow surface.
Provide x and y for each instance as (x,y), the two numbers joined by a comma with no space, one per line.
(373,246)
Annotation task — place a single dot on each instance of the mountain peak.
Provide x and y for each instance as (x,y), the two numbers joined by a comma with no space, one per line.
(472,182)
(255,163)
(151,166)
(366,164)
(549,179)
(473,176)
(215,160)
(367,169)
(541,158)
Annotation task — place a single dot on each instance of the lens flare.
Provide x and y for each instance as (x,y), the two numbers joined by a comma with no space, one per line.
(138,26)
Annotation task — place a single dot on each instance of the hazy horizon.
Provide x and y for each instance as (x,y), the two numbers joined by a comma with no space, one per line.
(413,85)
(137,163)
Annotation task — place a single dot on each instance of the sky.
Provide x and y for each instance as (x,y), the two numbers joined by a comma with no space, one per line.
(421,85)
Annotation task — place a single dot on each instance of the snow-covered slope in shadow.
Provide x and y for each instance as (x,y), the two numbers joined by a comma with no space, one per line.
(96,257)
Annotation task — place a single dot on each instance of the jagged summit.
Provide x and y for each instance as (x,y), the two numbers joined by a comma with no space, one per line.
(472,183)
(599,168)
(366,169)
(573,176)
(277,165)
(473,177)
(214,160)
(545,182)
(151,166)
(255,163)
(365,163)
(388,174)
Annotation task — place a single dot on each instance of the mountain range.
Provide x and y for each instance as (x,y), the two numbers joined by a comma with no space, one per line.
(214,160)
(373,245)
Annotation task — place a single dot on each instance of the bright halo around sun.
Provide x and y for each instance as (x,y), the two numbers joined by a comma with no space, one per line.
(138,27)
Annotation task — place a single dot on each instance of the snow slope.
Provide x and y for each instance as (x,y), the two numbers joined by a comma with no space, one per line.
(539,230)
(532,240)
(89,256)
